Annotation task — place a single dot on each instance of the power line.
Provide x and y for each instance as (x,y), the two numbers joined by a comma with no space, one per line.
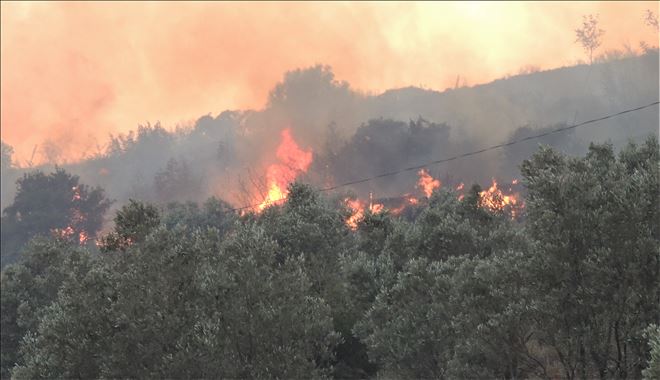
(467,154)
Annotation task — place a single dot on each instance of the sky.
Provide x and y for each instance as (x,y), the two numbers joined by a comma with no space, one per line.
(74,72)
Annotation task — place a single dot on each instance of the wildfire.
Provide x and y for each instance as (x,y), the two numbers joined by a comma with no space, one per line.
(69,233)
(358,208)
(494,198)
(427,183)
(293,161)
(460,188)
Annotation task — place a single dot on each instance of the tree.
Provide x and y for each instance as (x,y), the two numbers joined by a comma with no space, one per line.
(593,222)
(213,213)
(29,287)
(8,174)
(589,35)
(652,370)
(133,222)
(178,304)
(176,182)
(310,229)
(408,328)
(651,19)
(7,151)
(51,203)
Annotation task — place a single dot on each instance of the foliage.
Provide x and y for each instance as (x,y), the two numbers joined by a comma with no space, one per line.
(651,19)
(51,203)
(133,222)
(652,371)
(568,290)
(176,181)
(185,306)
(589,35)
(597,252)
(32,285)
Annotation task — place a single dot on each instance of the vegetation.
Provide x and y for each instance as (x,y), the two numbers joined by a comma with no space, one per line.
(55,203)
(589,35)
(570,289)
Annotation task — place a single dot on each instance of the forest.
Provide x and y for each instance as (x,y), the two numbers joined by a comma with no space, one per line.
(450,288)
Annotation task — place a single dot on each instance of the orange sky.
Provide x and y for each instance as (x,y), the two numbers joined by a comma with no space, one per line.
(72,73)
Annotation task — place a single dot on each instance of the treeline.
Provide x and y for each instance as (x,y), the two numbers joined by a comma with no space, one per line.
(373,133)
(570,289)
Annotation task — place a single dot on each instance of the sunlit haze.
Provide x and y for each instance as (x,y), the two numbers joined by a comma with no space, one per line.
(73,73)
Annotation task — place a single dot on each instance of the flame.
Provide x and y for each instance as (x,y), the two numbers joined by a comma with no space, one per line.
(82,237)
(358,212)
(460,188)
(376,208)
(74,230)
(293,161)
(358,208)
(427,183)
(494,199)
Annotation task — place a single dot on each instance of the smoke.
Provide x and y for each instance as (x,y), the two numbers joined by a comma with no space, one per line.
(73,73)
(355,135)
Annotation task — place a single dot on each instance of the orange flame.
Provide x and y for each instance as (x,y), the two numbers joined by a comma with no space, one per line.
(82,237)
(427,183)
(494,199)
(293,161)
(358,212)
(358,208)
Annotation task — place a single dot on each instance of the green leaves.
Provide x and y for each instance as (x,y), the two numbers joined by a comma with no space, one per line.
(457,291)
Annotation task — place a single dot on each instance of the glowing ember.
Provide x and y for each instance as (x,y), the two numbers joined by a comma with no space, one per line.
(76,193)
(64,233)
(427,183)
(293,161)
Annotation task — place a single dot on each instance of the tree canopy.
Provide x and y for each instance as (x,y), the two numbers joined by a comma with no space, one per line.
(570,289)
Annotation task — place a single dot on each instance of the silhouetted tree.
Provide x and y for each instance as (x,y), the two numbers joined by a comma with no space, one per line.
(589,35)
(51,203)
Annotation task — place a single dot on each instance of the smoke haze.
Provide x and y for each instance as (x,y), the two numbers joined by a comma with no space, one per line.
(73,73)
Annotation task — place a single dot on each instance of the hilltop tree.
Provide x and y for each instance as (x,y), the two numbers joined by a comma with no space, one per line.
(51,203)
(651,19)
(7,152)
(8,173)
(176,182)
(589,35)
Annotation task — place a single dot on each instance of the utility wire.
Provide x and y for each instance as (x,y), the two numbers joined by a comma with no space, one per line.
(467,154)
